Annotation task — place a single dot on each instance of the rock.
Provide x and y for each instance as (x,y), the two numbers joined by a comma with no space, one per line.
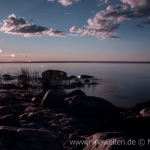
(109,135)
(24,139)
(9,120)
(49,73)
(112,141)
(72,77)
(53,99)
(86,81)
(114,144)
(85,76)
(89,106)
(145,112)
(7,111)
(75,92)
(35,117)
(36,100)
(6,76)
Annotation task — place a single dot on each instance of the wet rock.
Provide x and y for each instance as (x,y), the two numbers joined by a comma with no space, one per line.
(89,106)
(145,112)
(75,92)
(7,111)
(9,120)
(35,117)
(85,76)
(53,99)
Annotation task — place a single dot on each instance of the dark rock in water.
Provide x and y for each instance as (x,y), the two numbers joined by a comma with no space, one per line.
(75,92)
(27,139)
(89,106)
(8,86)
(51,73)
(35,117)
(53,99)
(85,76)
(9,120)
(145,112)
(6,76)
(72,77)
(77,84)
(7,111)
(86,81)
(113,141)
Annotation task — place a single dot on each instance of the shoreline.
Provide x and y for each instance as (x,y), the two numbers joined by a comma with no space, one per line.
(75,62)
(51,118)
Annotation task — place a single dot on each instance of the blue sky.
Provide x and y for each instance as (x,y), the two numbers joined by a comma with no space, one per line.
(65,30)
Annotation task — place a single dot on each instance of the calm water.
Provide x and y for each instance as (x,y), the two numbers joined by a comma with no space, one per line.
(123,84)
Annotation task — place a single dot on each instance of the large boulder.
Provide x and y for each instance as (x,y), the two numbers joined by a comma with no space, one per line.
(89,107)
(54,99)
(50,73)
(113,141)
(23,138)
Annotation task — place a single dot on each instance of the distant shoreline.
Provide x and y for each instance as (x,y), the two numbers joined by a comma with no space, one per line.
(75,62)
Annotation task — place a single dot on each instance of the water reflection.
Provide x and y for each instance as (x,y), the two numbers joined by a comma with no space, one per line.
(121,84)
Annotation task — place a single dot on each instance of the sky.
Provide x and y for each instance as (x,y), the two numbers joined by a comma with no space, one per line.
(74,30)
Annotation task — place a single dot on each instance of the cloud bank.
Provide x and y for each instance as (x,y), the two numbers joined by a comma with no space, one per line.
(65,2)
(105,22)
(20,26)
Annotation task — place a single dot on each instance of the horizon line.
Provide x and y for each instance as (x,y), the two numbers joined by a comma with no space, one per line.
(74,61)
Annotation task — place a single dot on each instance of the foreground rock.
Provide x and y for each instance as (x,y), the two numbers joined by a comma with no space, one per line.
(145,112)
(24,124)
(113,141)
(9,120)
(90,107)
(24,139)
(54,99)
(7,111)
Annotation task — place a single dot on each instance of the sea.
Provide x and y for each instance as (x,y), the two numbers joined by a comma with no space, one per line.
(122,84)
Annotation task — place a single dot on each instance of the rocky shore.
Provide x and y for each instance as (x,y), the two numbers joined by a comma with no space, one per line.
(58,120)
